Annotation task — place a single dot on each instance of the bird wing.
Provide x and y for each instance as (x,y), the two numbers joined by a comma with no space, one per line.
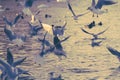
(9,57)
(102,31)
(29,3)
(37,28)
(99,4)
(109,2)
(70,8)
(86,31)
(19,61)
(65,23)
(65,39)
(17,18)
(104,2)
(114,51)
(6,21)
(9,34)
(31,27)
(81,14)
(6,66)
(93,3)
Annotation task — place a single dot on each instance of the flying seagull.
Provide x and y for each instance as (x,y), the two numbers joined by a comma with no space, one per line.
(96,8)
(59,30)
(74,15)
(12,23)
(17,39)
(114,52)
(34,29)
(95,35)
(9,69)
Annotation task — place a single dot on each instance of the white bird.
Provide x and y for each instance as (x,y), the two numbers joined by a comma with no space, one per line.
(96,8)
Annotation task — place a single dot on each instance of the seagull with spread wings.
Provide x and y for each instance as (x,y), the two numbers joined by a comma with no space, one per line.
(114,52)
(59,30)
(12,23)
(74,15)
(9,68)
(34,29)
(96,8)
(95,35)
(17,39)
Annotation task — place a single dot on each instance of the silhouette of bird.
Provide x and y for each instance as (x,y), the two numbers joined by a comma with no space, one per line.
(12,23)
(34,29)
(44,42)
(58,30)
(28,3)
(94,35)
(96,8)
(9,69)
(9,33)
(95,43)
(17,39)
(74,15)
(55,78)
(114,52)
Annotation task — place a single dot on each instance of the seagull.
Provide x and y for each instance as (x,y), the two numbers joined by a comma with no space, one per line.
(59,30)
(44,42)
(57,48)
(9,33)
(17,39)
(114,52)
(10,23)
(34,29)
(95,35)
(74,15)
(96,8)
(9,69)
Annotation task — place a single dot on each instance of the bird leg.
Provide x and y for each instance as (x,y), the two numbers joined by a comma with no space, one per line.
(93,15)
(97,16)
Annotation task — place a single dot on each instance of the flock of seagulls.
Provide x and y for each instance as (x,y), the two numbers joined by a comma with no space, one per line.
(9,68)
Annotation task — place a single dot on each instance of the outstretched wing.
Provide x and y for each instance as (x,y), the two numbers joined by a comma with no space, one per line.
(29,3)
(102,31)
(65,39)
(93,3)
(6,21)
(9,33)
(6,66)
(70,8)
(19,61)
(99,4)
(114,51)
(86,31)
(104,2)
(17,18)
(9,57)
(82,14)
